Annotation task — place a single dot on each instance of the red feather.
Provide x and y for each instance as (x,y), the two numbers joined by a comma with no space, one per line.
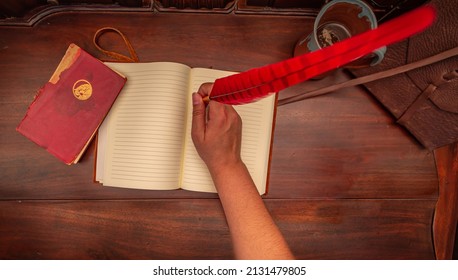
(257,83)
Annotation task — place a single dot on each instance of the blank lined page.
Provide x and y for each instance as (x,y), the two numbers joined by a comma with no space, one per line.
(257,119)
(145,128)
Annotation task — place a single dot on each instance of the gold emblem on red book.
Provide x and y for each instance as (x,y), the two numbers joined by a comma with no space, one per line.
(82,89)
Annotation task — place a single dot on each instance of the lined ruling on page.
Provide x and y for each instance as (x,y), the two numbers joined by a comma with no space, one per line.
(257,121)
(146,127)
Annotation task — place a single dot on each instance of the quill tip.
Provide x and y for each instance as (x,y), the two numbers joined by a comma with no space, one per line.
(428,14)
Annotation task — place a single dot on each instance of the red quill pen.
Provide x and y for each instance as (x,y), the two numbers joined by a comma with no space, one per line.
(257,83)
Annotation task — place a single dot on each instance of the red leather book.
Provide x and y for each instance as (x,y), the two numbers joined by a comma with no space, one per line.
(68,110)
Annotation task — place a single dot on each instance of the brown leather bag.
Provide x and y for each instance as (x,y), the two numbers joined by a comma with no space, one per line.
(424,100)
(417,81)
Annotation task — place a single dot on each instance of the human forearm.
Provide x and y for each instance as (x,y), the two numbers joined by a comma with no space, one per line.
(217,138)
(254,233)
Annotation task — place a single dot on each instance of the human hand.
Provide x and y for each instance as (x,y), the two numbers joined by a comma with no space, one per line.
(217,134)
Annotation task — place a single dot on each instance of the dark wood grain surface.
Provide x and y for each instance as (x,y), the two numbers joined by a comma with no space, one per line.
(446,213)
(196,228)
(346,181)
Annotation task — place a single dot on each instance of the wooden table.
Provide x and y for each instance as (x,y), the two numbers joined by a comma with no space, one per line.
(346,181)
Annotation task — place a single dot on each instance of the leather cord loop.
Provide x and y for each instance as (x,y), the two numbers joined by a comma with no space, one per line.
(118,57)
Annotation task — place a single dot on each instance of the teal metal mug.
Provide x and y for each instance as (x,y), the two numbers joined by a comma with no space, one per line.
(337,21)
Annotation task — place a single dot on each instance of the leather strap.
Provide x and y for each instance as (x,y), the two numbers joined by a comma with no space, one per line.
(421,99)
(370,78)
(118,57)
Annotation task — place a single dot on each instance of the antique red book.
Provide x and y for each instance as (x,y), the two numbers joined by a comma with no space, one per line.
(69,108)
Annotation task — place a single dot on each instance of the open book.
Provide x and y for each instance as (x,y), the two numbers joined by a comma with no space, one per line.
(145,141)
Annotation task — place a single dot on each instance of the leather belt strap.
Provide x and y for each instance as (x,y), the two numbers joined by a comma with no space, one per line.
(371,77)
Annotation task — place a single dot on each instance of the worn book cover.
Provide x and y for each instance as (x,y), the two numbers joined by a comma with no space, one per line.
(70,107)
